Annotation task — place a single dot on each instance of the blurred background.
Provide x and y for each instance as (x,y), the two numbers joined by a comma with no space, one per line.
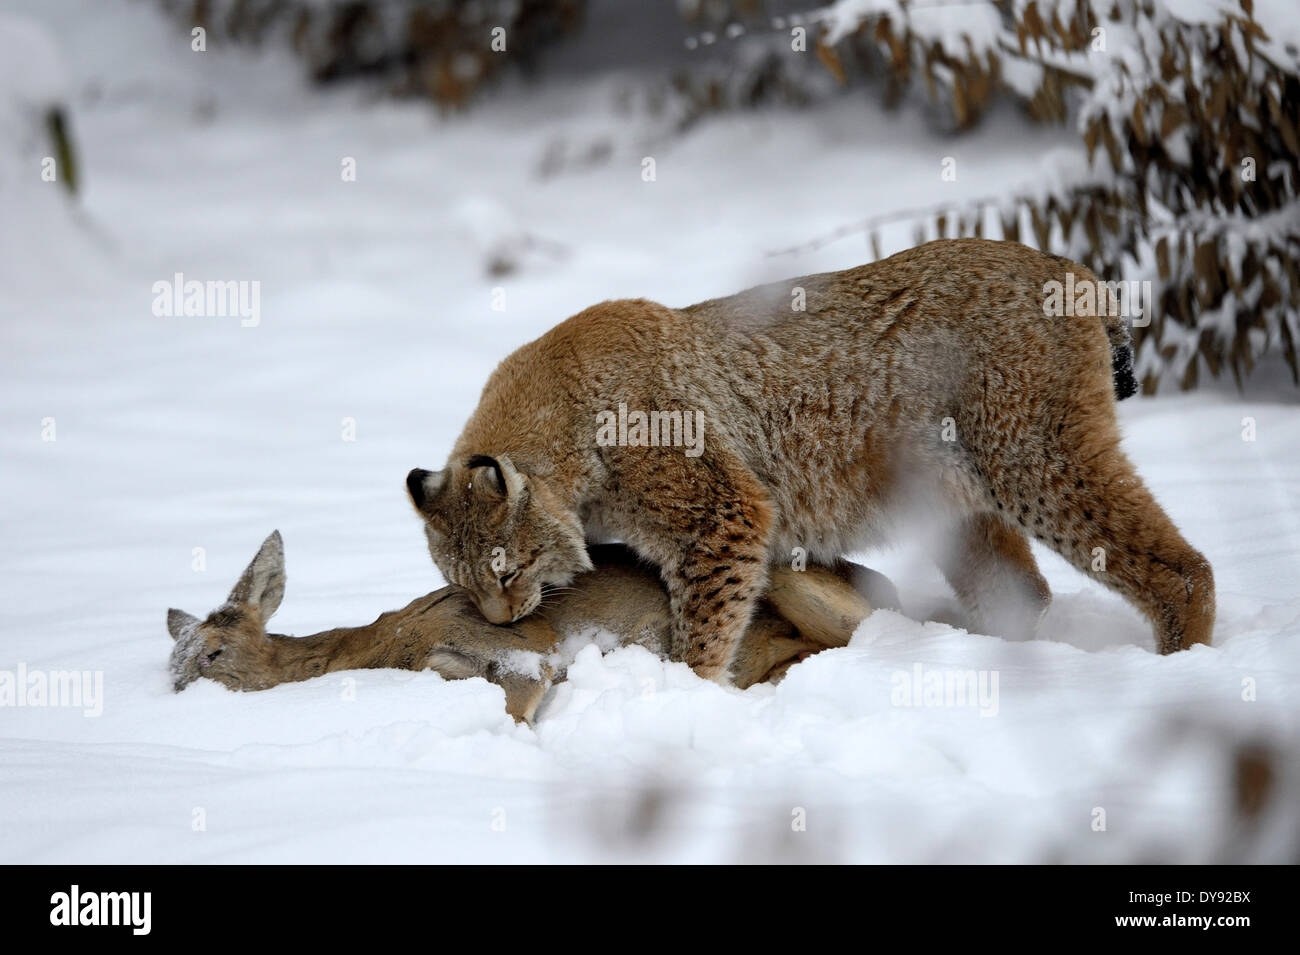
(1173,124)
(401,192)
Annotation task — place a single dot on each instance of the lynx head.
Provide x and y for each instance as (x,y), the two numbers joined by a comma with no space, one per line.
(499,533)
(230,645)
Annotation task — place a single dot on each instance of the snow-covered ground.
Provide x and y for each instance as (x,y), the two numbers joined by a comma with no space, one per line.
(130,440)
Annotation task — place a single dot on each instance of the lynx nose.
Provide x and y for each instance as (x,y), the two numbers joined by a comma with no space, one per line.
(415,485)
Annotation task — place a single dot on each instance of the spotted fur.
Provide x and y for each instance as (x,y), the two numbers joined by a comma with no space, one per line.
(928,390)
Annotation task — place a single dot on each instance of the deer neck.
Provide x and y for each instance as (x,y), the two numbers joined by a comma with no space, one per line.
(399,639)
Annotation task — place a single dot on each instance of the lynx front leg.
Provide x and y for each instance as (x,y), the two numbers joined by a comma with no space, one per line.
(712,597)
(710,542)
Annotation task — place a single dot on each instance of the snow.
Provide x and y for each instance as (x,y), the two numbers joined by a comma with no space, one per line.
(180,442)
(32,72)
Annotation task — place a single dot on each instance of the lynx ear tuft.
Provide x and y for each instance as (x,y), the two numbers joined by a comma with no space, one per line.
(424,486)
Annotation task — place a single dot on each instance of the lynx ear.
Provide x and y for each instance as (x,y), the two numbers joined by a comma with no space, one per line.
(178,621)
(514,480)
(424,486)
(503,477)
(263,581)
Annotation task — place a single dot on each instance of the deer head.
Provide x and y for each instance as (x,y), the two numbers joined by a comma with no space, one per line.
(231,645)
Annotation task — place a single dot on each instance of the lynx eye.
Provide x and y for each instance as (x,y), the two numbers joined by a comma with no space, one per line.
(508,579)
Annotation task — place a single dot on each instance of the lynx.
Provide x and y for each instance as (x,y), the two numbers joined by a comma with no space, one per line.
(839,410)
(443,631)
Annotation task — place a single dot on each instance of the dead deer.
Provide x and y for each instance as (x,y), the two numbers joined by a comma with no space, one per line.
(804,611)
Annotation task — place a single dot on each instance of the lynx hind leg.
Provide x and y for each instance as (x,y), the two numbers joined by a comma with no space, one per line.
(1101,517)
(992,569)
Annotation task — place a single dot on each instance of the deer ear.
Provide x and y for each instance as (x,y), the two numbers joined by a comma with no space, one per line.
(178,621)
(262,583)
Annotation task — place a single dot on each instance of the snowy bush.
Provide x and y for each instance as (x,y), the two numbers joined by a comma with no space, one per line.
(1187,110)
(444,49)
(1188,114)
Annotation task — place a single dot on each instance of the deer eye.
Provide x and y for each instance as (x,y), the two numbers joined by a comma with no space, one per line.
(214,654)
